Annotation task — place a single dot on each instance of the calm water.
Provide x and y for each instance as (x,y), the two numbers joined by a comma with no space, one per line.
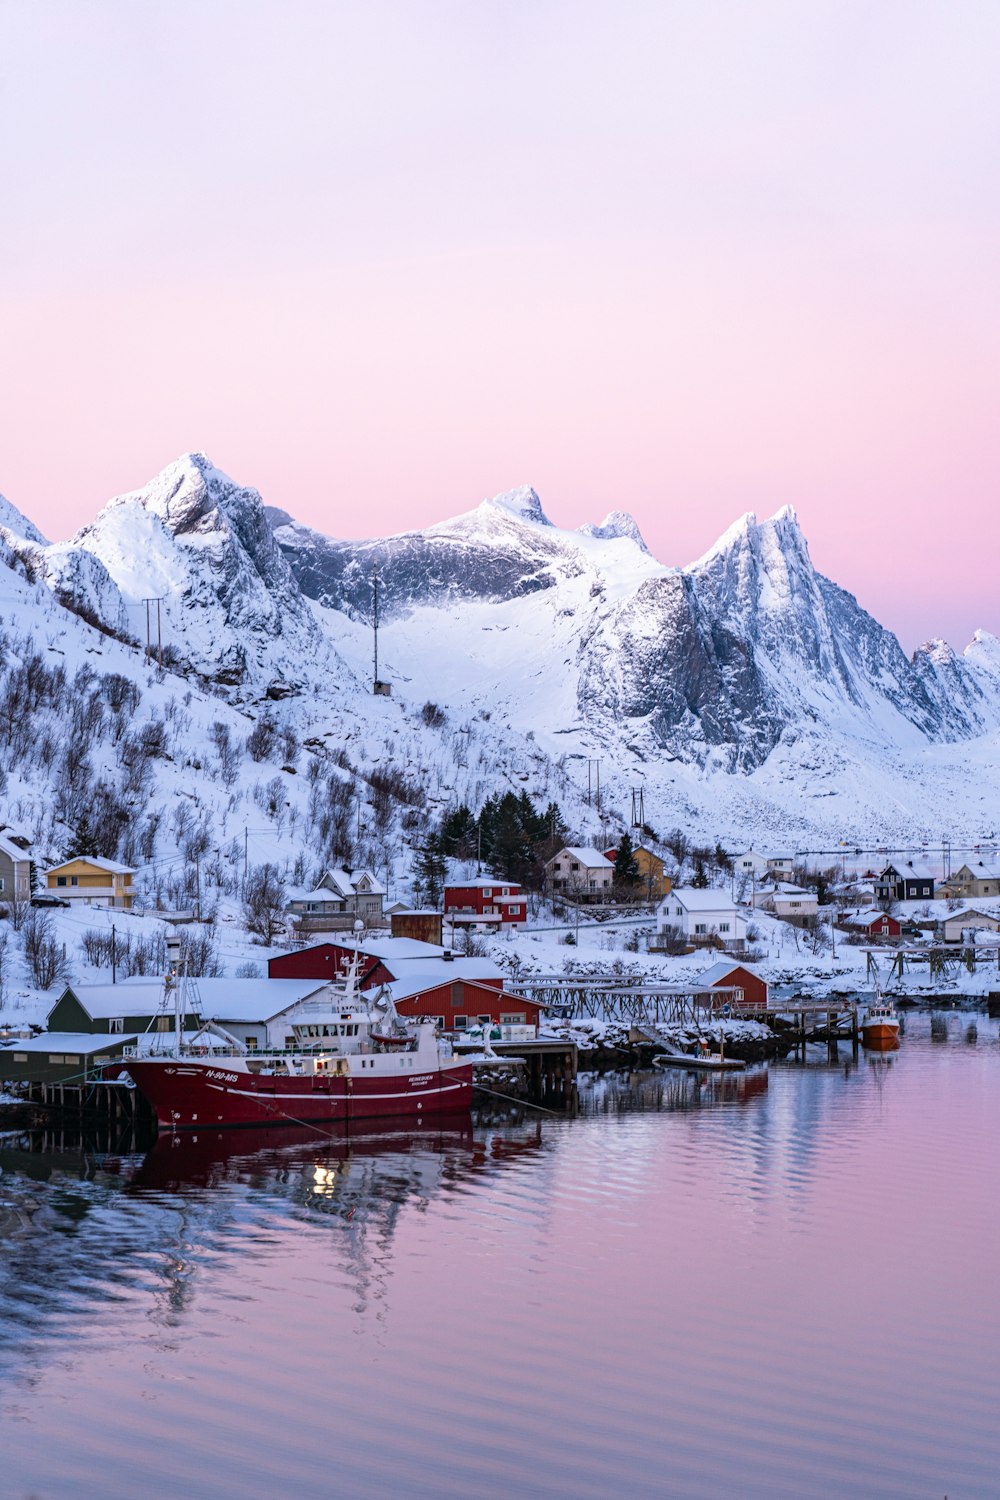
(783,1287)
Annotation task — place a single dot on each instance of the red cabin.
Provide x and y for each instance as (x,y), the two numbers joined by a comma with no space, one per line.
(462,1002)
(726,975)
(873,924)
(501,901)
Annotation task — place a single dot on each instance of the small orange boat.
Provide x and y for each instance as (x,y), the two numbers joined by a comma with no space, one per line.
(880,1025)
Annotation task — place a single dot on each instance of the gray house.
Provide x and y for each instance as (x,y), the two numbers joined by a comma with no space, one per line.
(15,867)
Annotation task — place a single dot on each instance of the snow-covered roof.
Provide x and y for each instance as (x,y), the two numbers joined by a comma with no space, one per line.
(487,882)
(111,866)
(911,871)
(402,949)
(13,851)
(593,859)
(218,999)
(865,918)
(68,1041)
(420,977)
(345,882)
(698,900)
(715,973)
(979,871)
(321,895)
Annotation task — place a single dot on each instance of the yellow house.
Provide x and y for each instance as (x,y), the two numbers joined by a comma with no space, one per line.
(96,881)
(652,881)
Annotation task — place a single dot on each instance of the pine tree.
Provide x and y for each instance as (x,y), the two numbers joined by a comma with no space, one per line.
(700,878)
(83,842)
(626,867)
(431,869)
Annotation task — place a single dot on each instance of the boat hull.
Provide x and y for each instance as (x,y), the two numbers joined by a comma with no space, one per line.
(880,1036)
(192,1096)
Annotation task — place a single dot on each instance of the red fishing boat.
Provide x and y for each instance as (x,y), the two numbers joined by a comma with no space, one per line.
(347,1062)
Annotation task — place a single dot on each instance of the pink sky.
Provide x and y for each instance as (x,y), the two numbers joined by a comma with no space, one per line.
(383,260)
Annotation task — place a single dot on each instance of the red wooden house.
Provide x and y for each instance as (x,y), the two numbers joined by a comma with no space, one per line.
(873,924)
(501,901)
(727,975)
(462,1001)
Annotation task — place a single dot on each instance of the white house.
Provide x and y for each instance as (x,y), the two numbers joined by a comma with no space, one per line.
(702,917)
(584,873)
(755,863)
(955,926)
(789,902)
(341,898)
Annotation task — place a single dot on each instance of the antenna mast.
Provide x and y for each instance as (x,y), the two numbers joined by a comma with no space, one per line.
(375,613)
(378,686)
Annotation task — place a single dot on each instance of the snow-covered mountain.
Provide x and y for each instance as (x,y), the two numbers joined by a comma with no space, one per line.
(746,693)
(199,542)
(712,663)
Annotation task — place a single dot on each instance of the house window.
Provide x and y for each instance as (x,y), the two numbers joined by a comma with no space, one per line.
(55,1058)
(484,1020)
(21,1057)
(701,927)
(574,866)
(487,892)
(116,1025)
(439,1022)
(74,880)
(60,880)
(723,926)
(461,1022)
(515,911)
(512,1020)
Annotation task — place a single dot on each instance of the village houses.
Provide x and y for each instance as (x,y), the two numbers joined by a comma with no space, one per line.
(581,874)
(92,881)
(341,898)
(485,902)
(652,884)
(791,903)
(975,880)
(752,862)
(702,918)
(15,868)
(904,882)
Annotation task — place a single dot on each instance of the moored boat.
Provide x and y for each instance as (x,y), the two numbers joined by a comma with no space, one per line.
(880,1025)
(346,1061)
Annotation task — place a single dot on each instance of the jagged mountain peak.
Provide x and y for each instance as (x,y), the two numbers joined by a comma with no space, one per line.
(521,503)
(616,524)
(201,542)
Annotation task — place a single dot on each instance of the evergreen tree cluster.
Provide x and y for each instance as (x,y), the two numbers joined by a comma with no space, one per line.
(511,836)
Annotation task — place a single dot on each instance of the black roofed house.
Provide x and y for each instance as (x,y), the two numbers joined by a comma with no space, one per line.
(904,882)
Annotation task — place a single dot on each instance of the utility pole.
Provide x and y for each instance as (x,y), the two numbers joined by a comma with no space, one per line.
(246,853)
(154,599)
(197,883)
(114,955)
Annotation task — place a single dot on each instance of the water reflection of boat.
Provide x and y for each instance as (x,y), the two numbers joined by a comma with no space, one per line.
(880,1025)
(203,1158)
